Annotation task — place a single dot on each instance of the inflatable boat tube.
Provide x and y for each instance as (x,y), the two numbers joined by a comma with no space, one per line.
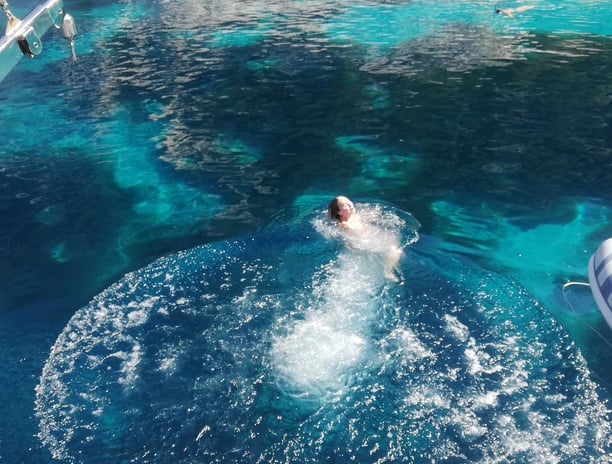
(600,278)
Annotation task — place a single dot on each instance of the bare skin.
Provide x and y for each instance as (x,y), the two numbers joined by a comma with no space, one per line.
(345,213)
(342,210)
(510,11)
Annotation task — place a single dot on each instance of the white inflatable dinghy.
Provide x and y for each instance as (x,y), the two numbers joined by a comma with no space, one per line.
(600,278)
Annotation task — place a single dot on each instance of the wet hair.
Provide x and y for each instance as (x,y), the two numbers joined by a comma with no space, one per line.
(333,210)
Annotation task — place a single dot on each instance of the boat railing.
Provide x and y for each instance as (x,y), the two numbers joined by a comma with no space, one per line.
(23,37)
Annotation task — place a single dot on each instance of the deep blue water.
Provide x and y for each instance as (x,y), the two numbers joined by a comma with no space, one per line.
(227,126)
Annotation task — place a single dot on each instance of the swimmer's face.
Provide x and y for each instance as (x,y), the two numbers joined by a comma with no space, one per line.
(345,208)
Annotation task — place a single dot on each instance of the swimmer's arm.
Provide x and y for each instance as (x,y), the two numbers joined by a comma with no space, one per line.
(506,12)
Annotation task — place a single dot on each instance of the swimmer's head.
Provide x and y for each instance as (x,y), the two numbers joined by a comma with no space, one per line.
(340,209)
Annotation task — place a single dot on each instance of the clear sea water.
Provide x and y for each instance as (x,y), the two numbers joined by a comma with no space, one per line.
(172,293)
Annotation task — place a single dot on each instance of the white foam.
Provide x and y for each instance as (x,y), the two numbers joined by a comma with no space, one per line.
(468,423)
(426,398)
(318,353)
(408,348)
(315,356)
(480,362)
(459,330)
(486,400)
(130,361)
(168,357)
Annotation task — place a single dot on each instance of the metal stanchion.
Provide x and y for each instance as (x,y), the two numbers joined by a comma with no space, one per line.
(23,36)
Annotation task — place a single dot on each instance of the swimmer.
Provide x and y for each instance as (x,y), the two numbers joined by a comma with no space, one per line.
(509,11)
(342,209)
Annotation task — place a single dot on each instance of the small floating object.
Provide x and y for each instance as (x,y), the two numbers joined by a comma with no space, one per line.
(600,278)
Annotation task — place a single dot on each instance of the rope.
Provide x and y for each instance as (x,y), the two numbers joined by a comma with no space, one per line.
(5,8)
(12,19)
(593,329)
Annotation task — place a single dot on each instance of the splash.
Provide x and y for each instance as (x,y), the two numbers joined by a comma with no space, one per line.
(292,345)
(320,352)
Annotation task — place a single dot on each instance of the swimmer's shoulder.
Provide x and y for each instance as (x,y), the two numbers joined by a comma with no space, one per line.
(354,222)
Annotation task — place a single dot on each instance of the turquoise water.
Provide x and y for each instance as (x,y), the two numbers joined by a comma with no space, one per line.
(227,127)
